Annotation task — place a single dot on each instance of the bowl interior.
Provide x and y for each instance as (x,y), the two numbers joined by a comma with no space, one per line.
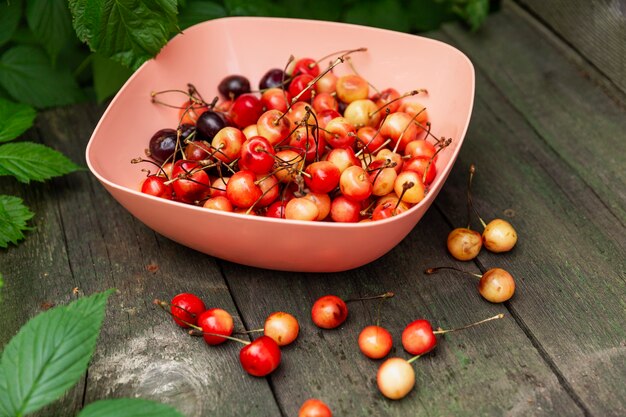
(206,53)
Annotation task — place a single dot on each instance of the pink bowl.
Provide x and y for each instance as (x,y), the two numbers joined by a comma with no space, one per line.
(206,53)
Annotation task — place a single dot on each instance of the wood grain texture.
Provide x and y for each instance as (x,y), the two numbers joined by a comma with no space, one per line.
(570,259)
(491,370)
(596,29)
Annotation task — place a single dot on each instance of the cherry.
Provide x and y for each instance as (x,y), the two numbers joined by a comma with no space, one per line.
(329,312)
(282,327)
(307,139)
(269,190)
(215,323)
(250,131)
(163,145)
(375,342)
(234,86)
(276,209)
(396,378)
(323,177)
(242,189)
(190,183)
(499,236)
(298,86)
(355,183)
(156,186)
(322,201)
(289,164)
(246,110)
(400,128)
(326,84)
(218,187)
(257,155)
(227,144)
(420,148)
(369,139)
(343,158)
(274,127)
(382,176)
(418,337)
(388,99)
(218,203)
(275,99)
(306,66)
(325,101)
(185,309)
(345,210)
(409,187)
(272,79)
(301,209)
(463,243)
(496,285)
(190,111)
(209,123)
(422,166)
(314,408)
(340,133)
(362,113)
(197,151)
(351,87)
(261,357)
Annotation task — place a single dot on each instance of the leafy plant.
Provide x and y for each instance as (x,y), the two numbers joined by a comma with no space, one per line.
(51,353)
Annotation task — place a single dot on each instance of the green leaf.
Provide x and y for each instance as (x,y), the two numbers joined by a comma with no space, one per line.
(28,76)
(51,22)
(388,14)
(428,14)
(127,31)
(50,354)
(10,13)
(29,161)
(323,9)
(473,12)
(15,119)
(128,407)
(196,11)
(14,216)
(253,8)
(108,76)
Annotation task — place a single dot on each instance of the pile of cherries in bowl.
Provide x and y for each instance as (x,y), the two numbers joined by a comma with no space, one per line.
(308,145)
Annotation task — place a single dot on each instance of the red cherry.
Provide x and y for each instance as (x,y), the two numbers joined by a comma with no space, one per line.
(323,177)
(355,184)
(340,133)
(191,182)
(190,111)
(420,165)
(375,342)
(418,337)
(386,96)
(186,308)
(257,155)
(246,110)
(218,203)
(156,186)
(329,312)
(275,99)
(298,84)
(261,357)
(325,101)
(227,144)
(216,321)
(314,408)
(306,66)
(274,127)
(277,209)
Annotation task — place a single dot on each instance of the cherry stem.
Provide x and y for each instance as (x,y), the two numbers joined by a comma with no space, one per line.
(250,331)
(357,73)
(388,294)
(432,159)
(345,52)
(431,271)
(384,106)
(201,333)
(413,359)
(470,202)
(442,331)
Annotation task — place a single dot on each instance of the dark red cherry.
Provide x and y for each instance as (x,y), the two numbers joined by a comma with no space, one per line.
(272,78)
(162,145)
(246,110)
(209,123)
(233,86)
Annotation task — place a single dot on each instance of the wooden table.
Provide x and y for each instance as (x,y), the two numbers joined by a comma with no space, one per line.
(548,138)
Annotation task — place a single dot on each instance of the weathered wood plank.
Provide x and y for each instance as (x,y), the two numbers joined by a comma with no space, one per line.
(492,370)
(141,352)
(570,259)
(579,122)
(596,29)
